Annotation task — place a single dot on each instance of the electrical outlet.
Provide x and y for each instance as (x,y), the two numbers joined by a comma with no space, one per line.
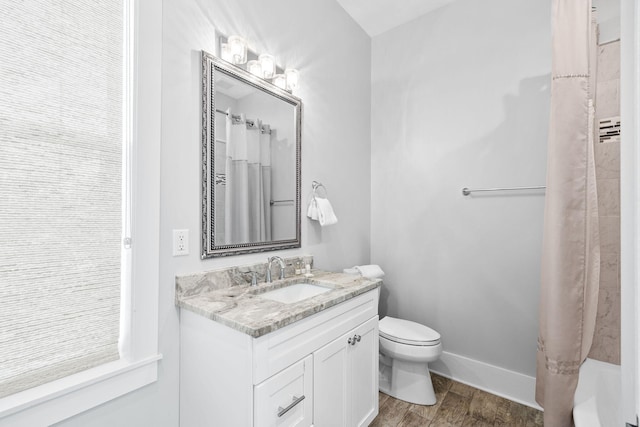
(180,242)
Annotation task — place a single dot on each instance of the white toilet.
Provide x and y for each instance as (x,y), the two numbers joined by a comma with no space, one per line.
(406,348)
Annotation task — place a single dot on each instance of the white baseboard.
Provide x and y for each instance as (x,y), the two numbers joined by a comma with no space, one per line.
(492,379)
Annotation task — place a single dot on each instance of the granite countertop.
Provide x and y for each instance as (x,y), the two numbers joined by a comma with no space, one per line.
(241,308)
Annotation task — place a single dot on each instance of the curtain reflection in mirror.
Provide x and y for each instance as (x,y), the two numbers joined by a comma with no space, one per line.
(247,212)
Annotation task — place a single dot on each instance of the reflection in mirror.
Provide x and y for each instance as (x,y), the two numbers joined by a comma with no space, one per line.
(251,163)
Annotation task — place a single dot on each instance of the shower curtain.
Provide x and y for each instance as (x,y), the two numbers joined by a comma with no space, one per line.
(571,248)
(248,181)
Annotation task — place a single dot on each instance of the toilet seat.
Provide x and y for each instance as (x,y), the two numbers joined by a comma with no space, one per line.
(407,332)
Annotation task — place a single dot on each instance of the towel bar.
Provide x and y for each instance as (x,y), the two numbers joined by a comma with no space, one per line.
(273,202)
(466,191)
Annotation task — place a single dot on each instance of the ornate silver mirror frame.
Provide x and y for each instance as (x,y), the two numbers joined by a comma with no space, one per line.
(211,66)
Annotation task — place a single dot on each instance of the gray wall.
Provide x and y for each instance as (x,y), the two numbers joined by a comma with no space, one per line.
(608,16)
(333,56)
(460,99)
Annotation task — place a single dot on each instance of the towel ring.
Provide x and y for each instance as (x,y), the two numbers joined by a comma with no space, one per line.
(316,185)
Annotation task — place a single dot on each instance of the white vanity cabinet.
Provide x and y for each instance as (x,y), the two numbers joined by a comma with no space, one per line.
(320,371)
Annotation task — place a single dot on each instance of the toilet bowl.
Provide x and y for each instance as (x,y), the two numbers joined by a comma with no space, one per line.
(406,348)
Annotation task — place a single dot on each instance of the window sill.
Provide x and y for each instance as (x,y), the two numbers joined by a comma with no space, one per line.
(66,397)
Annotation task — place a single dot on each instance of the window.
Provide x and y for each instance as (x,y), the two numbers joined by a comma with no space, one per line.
(65,94)
(61,149)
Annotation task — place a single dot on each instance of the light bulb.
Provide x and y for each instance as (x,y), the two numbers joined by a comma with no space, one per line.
(238,47)
(268,63)
(254,68)
(293,78)
(225,52)
(280,80)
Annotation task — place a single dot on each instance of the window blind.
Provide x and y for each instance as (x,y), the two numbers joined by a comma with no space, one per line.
(61,80)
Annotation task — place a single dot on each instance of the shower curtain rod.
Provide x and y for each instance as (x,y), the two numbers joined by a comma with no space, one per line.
(466,191)
(265,129)
(233,116)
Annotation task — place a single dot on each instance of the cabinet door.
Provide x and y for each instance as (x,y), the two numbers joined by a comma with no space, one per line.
(330,377)
(363,369)
(345,379)
(285,399)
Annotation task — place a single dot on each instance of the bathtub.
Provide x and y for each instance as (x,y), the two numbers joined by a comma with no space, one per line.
(597,399)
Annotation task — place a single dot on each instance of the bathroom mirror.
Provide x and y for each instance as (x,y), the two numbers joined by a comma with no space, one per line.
(251,133)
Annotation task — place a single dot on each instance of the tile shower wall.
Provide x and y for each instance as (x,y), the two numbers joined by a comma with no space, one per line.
(606,341)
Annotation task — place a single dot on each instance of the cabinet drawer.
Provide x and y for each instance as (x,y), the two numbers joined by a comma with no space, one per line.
(277,350)
(286,398)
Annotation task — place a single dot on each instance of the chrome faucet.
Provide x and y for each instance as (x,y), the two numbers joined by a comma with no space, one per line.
(270,260)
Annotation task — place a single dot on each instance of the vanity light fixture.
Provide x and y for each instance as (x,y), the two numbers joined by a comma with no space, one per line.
(235,51)
(268,63)
(238,47)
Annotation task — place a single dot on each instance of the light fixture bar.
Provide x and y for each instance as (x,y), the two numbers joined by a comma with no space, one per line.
(235,50)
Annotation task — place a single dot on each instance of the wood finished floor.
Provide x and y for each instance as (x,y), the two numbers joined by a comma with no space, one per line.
(457,405)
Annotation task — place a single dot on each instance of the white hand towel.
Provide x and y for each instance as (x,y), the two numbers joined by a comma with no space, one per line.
(372,271)
(312,210)
(325,212)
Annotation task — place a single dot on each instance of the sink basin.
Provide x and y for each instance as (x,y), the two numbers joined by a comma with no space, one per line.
(294,293)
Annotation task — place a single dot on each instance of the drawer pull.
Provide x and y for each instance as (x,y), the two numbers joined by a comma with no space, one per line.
(296,400)
(358,338)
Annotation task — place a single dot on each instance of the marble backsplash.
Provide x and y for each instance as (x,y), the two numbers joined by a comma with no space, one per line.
(201,283)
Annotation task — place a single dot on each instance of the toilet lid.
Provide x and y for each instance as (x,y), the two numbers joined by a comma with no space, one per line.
(407,332)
